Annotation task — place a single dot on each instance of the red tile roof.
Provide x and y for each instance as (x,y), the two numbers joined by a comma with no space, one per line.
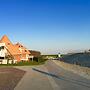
(13,49)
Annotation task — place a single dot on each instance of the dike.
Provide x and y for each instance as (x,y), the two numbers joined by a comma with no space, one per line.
(82,71)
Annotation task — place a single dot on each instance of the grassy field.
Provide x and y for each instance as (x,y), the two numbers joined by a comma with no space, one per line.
(53,56)
(50,55)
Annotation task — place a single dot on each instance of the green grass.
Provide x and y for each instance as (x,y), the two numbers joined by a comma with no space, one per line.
(50,55)
(54,56)
(39,62)
(28,63)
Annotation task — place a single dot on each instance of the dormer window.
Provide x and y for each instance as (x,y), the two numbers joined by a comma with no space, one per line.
(8,43)
(25,50)
(21,46)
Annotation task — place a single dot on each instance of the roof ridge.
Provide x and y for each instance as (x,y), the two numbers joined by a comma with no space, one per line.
(6,39)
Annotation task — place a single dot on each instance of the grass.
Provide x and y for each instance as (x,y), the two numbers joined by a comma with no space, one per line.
(49,55)
(27,63)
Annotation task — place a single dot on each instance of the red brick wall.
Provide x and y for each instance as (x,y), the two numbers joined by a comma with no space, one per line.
(17,57)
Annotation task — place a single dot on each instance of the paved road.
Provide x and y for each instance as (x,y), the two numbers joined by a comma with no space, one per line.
(51,77)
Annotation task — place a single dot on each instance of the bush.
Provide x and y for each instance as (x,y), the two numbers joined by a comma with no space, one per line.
(41,60)
(35,59)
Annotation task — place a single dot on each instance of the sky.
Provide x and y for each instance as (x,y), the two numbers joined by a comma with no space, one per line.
(50,26)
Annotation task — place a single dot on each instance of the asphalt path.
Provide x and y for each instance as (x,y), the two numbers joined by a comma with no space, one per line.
(51,77)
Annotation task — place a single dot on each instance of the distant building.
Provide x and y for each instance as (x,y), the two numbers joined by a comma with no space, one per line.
(14,52)
(35,53)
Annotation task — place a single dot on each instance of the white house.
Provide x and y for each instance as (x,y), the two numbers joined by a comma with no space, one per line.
(3,53)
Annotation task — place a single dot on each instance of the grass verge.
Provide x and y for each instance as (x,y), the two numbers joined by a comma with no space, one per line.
(27,63)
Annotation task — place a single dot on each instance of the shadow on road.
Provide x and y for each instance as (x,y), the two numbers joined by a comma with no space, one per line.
(64,78)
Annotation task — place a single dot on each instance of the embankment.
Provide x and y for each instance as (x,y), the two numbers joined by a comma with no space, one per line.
(83,71)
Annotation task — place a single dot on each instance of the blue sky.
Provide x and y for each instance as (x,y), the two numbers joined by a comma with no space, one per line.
(50,26)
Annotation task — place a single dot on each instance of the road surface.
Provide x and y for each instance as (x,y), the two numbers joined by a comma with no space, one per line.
(51,77)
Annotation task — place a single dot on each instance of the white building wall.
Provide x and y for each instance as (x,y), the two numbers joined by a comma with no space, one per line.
(3,51)
(4,61)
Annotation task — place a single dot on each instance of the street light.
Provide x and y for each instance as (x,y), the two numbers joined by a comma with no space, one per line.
(59,55)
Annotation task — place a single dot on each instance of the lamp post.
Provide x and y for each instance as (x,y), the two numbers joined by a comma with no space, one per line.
(59,55)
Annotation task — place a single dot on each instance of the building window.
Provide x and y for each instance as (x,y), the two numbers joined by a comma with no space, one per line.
(2,47)
(20,56)
(21,46)
(1,57)
(25,50)
(8,43)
